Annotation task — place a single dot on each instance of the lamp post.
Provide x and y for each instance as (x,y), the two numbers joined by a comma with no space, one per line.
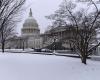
(23,44)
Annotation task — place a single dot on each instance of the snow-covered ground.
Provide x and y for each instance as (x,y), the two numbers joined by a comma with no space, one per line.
(46,67)
(17,50)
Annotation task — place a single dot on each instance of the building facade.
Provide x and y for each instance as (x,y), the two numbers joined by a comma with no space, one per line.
(57,35)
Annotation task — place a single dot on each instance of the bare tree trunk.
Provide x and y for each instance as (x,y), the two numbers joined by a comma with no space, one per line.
(3,42)
(3,46)
(23,45)
(83,58)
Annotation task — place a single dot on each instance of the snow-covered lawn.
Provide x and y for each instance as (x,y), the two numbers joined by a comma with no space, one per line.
(46,67)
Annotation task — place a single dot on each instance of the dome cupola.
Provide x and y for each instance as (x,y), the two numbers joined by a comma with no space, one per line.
(30,26)
(30,21)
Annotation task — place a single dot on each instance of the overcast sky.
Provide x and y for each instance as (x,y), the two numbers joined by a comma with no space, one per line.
(40,9)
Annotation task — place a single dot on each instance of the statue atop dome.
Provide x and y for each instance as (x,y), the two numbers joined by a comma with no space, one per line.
(30,13)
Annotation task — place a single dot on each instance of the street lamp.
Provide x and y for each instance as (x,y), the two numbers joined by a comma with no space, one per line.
(23,44)
(54,41)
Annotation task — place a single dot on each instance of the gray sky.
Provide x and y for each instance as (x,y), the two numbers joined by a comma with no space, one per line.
(40,9)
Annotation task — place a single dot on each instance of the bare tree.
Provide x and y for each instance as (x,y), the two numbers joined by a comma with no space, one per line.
(84,25)
(7,33)
(9,10)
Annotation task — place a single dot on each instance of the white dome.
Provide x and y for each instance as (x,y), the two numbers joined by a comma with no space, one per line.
(30,22)
(30,26)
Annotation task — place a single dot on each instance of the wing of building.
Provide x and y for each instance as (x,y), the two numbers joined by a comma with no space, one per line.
(57,38)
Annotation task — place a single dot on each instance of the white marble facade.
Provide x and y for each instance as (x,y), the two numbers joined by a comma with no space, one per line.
(32,32)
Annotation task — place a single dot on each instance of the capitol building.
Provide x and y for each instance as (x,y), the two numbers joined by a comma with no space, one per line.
(31,31)
(31,38)
(56,38)
(30,35)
